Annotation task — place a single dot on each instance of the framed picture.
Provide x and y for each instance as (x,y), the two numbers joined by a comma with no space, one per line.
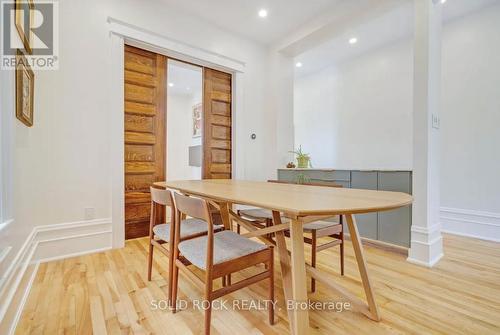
(197,110)
(25,8)
(25,84)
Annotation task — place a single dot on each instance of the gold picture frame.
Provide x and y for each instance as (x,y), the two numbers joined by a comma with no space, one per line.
(25,86)
(26,37)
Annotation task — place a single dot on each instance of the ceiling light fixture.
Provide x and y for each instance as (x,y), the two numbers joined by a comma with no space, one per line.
(171,84)
(298,64)
(353,40)
(443,1)
(263,13)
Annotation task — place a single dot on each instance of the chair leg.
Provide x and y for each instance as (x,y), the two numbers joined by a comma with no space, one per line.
(150,260)
(269,223)
(238,229)
(342,253)
(175,281)
(226,280)
(271,288)
(171,270)
(152,219)
(174,250)
(313,258)
(208,311)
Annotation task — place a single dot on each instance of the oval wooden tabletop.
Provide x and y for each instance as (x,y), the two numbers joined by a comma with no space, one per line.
(297,200)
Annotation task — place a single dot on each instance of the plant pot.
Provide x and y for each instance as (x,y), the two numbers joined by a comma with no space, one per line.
(303,162)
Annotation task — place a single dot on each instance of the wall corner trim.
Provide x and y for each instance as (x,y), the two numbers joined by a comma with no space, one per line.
(46,243)
(5,224)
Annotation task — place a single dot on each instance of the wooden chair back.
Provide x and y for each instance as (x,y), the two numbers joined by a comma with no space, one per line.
(160,199)
(306,183)
(161,196)
(193,207)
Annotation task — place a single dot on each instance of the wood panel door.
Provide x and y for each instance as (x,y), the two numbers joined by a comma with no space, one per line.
(217,125)
(144,135)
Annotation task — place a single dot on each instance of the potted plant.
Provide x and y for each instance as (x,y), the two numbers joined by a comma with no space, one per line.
(302,179)
(303,159)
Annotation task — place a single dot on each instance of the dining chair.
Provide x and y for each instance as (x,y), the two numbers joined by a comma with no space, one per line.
(262,218)
(218,254)
(159,234)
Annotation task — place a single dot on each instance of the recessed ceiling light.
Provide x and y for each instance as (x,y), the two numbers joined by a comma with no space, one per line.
(262,13)
(298,64)
(171,84)
(353,40)
(188,88)
(443,1)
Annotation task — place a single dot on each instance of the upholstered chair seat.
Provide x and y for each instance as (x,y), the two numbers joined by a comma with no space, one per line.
(227,246)
(189,227)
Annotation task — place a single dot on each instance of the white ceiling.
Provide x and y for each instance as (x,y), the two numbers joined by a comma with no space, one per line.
(316,32)
(393,24)
(186,79)
(241,16)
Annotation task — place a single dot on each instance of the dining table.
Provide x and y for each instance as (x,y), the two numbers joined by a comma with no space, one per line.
(292,206)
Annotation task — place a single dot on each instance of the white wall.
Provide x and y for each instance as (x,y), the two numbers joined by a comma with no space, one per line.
(179,137)
(69,144)
(9,236)
(470,117)
(357,115)
(63,163)
(470,183)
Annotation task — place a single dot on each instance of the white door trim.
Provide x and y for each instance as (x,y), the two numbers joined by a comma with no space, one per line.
(165,45)
(120,33)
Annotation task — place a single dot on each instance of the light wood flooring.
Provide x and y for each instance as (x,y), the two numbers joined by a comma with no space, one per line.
(109,293)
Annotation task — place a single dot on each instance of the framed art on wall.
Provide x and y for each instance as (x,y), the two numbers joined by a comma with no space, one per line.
(197,109)
(25,84)
(24,22)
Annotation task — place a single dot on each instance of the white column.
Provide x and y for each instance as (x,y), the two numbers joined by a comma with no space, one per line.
(426,242)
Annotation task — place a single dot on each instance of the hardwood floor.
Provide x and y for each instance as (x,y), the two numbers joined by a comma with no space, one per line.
(109,293)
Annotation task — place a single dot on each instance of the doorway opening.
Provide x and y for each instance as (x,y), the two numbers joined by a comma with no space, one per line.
(184,120)
(178,125)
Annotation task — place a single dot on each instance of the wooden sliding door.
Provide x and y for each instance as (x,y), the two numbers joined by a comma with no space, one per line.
(145,149)
(145,132)
(217,155)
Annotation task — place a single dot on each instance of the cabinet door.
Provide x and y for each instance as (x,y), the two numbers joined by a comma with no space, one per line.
(338,177)
(394,226)
(367,223)
(287,175)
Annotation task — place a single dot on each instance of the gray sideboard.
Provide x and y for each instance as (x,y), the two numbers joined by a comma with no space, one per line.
(389,226)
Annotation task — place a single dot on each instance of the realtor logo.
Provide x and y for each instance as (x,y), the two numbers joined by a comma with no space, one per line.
(32,27)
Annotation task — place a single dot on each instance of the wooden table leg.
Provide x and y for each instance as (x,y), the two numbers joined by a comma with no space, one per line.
(224,213)
(299,284)
(286,274)
(360,258)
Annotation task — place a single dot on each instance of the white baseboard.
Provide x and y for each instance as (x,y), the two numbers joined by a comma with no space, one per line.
(47,243)
(72,239)
(15,310)
(470,223)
